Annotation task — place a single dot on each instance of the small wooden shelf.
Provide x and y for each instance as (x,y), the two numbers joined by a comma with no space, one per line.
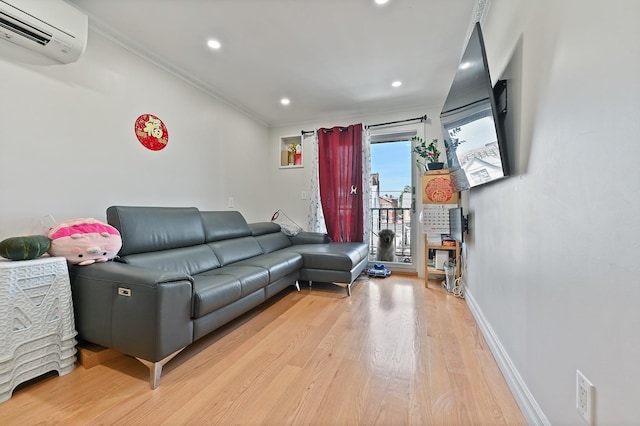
(433,271)
(430,270)
(438,196)
(435,247)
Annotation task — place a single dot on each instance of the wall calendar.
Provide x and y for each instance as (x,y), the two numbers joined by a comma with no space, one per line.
(436,218)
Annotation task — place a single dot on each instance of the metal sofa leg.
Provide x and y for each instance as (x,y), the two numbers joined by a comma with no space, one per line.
(347,286)
(155,368)
(297,284)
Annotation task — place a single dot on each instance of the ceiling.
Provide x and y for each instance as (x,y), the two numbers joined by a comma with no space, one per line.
(331,58)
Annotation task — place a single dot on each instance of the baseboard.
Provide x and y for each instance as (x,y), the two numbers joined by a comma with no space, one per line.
(527,403)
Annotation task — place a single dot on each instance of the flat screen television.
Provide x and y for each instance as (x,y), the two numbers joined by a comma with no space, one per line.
(472,120)
(457,224)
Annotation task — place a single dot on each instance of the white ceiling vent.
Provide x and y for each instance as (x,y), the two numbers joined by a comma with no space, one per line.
(53,28)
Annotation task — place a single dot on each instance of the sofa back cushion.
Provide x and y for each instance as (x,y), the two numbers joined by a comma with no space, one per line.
(269,236)
(224,225)
(229,236)
(261,228)
(235,249)
(188,260)
(146,229)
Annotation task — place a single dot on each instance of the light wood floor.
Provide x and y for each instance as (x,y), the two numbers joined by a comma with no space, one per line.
(395,353)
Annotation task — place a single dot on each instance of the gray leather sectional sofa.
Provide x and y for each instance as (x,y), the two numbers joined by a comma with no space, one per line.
(182,273)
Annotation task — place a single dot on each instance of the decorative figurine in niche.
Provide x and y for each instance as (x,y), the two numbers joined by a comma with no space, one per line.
(85,241)
(298,155)
(291,154)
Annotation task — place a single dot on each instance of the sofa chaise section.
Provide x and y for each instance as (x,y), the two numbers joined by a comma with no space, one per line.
(322,259)
(182,273)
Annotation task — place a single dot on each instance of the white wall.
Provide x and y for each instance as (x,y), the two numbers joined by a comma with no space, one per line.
(552,253)
(68,148)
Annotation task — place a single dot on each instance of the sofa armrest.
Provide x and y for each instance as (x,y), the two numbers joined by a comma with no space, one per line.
(306,237)
(141,312)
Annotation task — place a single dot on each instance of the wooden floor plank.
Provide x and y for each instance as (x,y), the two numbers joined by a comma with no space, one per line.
(395,353)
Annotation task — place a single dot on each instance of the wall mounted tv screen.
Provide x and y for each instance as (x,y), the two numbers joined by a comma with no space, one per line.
(472,122)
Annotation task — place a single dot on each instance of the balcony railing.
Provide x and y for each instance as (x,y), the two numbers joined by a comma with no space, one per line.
(399,221)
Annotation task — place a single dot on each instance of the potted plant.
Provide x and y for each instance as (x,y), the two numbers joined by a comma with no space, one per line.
(428,152)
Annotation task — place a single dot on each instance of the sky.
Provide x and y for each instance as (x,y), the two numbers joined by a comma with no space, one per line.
(392,160)
(476,134)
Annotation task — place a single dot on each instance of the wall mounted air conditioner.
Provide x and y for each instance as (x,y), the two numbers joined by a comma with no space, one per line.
(53,28)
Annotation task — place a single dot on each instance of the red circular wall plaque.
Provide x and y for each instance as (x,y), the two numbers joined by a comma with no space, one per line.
(151,132)
(439,190)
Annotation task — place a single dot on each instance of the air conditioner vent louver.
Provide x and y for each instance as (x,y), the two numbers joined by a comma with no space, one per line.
(24,29)
(52,28)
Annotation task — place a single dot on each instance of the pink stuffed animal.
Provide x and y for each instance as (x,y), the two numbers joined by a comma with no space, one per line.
(85,241)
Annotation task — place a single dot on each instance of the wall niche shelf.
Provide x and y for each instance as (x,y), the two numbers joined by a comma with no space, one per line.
(291,152)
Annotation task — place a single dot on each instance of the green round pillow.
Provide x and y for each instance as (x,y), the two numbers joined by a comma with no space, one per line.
(24,248)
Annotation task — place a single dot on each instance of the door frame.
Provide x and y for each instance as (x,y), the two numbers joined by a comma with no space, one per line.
(403,132)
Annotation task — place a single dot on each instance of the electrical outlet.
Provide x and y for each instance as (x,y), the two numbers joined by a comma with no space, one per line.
(230,202)
(585,392)
(303,195)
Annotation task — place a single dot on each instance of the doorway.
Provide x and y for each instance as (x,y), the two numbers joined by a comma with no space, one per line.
(393,199)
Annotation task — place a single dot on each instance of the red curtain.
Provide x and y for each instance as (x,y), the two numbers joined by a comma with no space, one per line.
(340,176)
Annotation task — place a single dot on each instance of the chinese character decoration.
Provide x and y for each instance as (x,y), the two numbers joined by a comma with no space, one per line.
(439,190)
(151,132)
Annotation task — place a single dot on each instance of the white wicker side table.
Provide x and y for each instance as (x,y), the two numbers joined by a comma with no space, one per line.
(37,332)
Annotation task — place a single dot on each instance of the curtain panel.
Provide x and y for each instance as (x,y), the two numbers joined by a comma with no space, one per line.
(341,181)
(316,222)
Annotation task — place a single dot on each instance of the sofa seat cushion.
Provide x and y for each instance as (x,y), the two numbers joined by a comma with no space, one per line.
(332,256)
(251,278)
(211,292)
(279,263)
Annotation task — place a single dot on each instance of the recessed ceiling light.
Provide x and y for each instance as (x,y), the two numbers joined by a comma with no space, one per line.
(381,1)
(214,44)
(396,83)
(285,101)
